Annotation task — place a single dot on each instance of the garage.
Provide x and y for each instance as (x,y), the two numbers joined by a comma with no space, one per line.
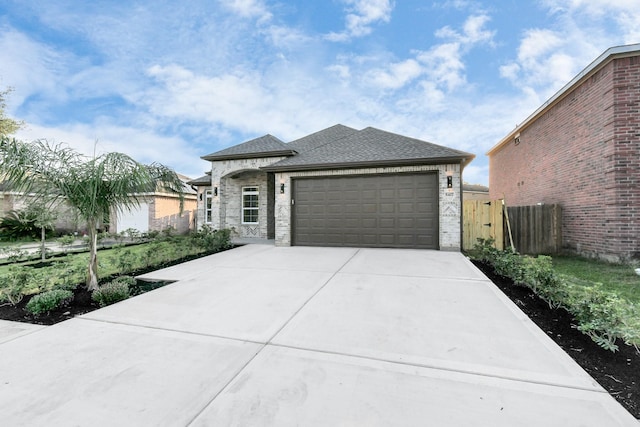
(390,210)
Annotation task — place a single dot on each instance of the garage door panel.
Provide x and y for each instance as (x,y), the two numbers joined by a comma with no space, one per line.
(374,211)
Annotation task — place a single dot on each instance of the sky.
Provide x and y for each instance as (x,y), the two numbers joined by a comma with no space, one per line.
(171,81)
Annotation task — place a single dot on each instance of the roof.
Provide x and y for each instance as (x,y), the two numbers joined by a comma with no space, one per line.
(322,137)
(264,146)
(475,187)
(201,181)
(364,148)
(606,57)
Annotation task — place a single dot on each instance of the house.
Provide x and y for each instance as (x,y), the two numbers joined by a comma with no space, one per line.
(581,149)
(158,211)
(337,187)
(474,192)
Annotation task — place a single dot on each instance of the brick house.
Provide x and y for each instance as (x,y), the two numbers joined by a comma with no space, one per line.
(157,211)
(581,149)
(337,187)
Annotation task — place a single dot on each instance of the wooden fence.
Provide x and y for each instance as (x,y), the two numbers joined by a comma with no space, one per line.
(482,219)
(536,229)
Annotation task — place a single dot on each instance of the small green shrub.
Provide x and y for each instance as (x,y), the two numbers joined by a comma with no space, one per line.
(600,314)
(19,224)
(21,281)
(66,241)
(113,292)
(49,300)
(212,240)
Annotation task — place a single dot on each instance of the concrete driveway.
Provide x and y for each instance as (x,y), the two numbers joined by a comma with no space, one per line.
(261,335)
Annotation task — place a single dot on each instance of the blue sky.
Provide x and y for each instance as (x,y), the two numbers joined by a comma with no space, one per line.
(171,81)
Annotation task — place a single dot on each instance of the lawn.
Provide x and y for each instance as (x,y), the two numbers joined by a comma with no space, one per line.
(618,278)
(18,280)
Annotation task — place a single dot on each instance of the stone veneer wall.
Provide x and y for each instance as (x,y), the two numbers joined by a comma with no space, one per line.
(449,204)
(226,207)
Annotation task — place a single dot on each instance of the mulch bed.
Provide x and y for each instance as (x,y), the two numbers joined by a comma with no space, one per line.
(618,373)
(81,304)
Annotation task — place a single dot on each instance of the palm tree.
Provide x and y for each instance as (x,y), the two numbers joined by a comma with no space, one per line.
(94,186)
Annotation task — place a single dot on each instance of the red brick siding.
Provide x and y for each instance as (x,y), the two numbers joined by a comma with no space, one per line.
(624,172)
(580,153)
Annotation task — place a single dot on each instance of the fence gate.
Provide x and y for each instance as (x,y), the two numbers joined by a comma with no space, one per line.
(482,219)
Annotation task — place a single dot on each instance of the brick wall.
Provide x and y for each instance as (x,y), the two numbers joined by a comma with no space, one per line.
(623,230)
(581,154)
(164,212)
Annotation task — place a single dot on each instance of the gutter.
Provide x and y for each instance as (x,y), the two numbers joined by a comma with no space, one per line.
(609,55)
(250,155)
(370,163)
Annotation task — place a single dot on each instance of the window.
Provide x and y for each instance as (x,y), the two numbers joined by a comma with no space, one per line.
(207,206)
(250,205)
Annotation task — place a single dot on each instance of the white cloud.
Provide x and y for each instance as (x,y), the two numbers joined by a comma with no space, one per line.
(577,33)
(361,15)
(144,145)
(248,9)
(397,75)
(444,64)
(29,67)
(473,31)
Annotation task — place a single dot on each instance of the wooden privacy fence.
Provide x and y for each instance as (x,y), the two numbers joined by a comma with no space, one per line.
(536,229)
(531,229)
(482,219)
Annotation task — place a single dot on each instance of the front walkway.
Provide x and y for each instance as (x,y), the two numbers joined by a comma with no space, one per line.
(265,335)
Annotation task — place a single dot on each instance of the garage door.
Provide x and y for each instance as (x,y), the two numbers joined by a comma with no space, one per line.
(399,211)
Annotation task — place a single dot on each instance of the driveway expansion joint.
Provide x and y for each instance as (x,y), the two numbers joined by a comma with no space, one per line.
(442,368)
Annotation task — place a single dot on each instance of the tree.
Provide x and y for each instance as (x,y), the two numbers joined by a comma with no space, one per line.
(94,186)
(8,126)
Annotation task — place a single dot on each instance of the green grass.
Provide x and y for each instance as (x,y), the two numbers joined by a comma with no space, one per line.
(618,278)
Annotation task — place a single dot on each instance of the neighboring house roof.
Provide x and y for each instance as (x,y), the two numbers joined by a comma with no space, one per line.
(608,56)
(475,187)
(204,180)
(322,137)
(264,146)
(369,147)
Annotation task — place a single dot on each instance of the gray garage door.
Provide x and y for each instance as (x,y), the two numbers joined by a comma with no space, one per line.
(399,211)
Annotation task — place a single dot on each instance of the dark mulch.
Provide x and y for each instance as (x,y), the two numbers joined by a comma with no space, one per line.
(618,373)
(81,304)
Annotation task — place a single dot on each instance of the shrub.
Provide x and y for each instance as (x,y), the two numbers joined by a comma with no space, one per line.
(600,314)
(49,300)
(113,292)
(21,281)
(66,241)
(212,240)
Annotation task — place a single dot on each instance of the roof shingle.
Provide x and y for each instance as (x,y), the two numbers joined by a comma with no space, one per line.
(368,147)
(264,146)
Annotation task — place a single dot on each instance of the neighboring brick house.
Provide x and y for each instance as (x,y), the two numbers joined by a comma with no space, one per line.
(159,210)
(475,192)
(337,187)
(581,149)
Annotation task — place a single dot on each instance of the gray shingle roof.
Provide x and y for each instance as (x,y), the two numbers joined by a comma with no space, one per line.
(322,137)
(475,187)
(370,147)
(203,180)
(264,146)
